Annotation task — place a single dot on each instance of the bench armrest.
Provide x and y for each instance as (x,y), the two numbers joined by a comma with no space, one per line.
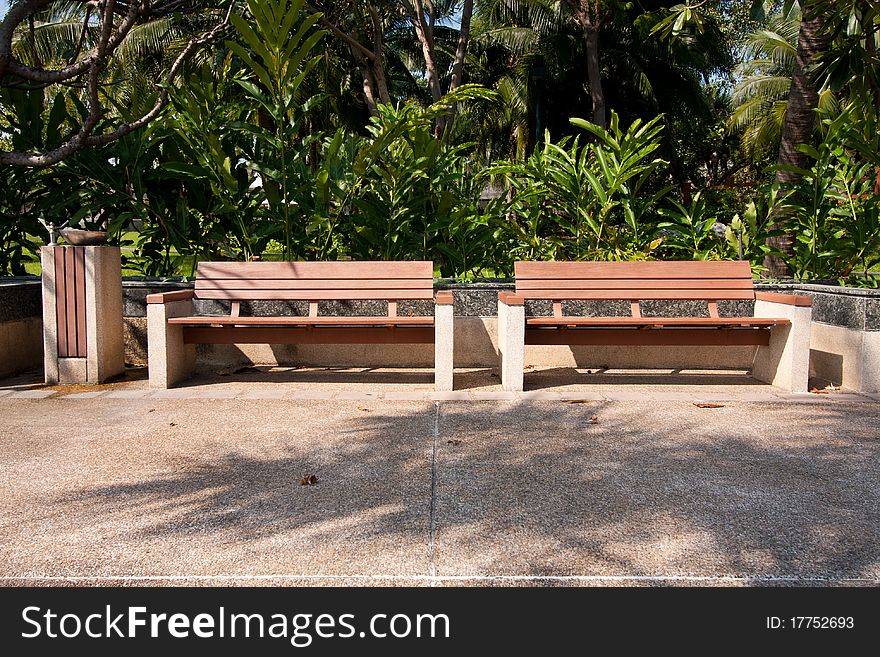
(170,297)
(510,298)
(787,299)
(444,298)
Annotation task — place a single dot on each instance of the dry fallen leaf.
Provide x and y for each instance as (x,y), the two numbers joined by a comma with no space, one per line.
(703,405)
(594,419)
(453,442)
(529,367)
(819,392)
(308,480)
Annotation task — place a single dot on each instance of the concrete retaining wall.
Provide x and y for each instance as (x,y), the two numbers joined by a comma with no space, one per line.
(21,325)
(845,337)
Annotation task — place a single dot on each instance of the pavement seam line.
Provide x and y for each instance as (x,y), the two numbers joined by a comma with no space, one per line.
(433,517)
(450,578)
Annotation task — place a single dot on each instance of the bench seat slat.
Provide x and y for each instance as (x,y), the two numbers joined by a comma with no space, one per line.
(313,295)
(316,270)
(226,320)
(655,321)
(704,294)
(388,284)
(631,284)
(633,270)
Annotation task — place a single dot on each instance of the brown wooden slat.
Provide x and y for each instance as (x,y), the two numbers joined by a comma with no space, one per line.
(510,298)
(638,270)
(656,321)
(170,297)
(60,303)
(788,299)
(317,270)
(214,283)
(70,294)
(629,283)
(310,295)
(207,320)
(80,277)
(650,337)
(299,335)
(630,294)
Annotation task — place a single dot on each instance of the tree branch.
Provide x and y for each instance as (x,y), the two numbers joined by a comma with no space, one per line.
(112,35)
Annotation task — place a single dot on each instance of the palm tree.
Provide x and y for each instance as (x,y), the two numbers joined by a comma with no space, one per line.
(800,120)
(760,96)
(524,49)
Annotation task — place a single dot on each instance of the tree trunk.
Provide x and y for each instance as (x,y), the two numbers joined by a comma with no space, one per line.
(464,35)
(378,61)
(798,127)
(424,32)
(369,82)
(370,61)
(594,73)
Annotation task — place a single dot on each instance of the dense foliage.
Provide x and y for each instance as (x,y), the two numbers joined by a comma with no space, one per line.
(297,136)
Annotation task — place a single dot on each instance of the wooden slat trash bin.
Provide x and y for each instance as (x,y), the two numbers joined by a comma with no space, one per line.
(779,329)
(173,329)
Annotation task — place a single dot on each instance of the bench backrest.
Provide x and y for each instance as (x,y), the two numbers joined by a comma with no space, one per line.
(635,281)
(315,281)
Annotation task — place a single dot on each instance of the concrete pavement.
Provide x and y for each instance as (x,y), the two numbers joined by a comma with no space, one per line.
(116,489)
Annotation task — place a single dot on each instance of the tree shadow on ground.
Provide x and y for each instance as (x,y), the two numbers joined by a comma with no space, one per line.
(540,488)
(567,376)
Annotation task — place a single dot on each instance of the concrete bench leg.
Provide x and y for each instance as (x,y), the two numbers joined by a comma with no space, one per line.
(785,363)
(170,360)
(444,347)
(511,343)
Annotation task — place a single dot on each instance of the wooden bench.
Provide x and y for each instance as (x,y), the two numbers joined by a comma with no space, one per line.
(173,329)
(779,329)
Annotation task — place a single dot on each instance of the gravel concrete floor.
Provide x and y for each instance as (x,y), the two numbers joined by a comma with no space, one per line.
(150,490)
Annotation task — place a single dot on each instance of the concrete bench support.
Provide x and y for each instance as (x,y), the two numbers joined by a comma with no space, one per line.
(785,363)
(170,360)
(511,340)
(444,345)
